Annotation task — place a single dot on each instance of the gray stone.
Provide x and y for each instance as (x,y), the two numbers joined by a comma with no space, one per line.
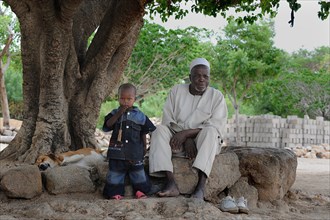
(242,188)
(22,182)
(102,169)
(68,179)
(224,173)
(272,171)
(186,177)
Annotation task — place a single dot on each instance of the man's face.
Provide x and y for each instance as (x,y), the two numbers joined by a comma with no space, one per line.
(127,97)
(200,78)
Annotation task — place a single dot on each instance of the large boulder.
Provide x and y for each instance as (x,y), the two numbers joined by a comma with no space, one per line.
(271,170)
(224,173)
(102,169)
(243,188)
(69,179)
(22,182)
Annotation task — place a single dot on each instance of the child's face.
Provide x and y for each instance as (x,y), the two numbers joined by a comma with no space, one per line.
(127,97)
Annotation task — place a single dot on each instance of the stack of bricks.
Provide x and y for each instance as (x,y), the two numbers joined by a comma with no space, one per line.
(231,129)
(274,131)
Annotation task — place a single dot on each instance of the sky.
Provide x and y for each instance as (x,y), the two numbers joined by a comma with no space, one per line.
(308,32)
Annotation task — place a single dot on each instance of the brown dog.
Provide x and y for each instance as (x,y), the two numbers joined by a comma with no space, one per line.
(85,157)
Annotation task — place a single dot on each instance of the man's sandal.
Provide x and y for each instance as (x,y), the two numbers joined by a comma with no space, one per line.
(140,195)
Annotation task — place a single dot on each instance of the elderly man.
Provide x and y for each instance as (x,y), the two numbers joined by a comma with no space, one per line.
(193,123)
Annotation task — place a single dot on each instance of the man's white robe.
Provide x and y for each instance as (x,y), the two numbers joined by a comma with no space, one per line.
(207,112)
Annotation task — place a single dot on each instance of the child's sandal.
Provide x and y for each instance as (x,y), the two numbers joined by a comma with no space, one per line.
(140,195)
(117,197)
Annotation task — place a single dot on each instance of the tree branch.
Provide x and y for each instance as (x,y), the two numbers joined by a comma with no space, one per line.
(114,28)
(5,49)
(86,20)
(116,66)
(18,7)
(68,8)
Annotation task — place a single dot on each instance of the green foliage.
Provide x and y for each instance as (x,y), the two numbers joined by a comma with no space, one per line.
(161,57)
(254,10)
(16,110)
(325,9)
(213,8)
(105,109)
(317,61)
(9,25)
(302,89)
(245,109)
(301,93)
(14,80)
(152,106)
(9,28)
(246,55)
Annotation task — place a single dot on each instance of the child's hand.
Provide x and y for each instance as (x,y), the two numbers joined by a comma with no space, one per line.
(122,109)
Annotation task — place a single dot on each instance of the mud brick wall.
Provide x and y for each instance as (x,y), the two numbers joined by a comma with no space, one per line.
(277,132)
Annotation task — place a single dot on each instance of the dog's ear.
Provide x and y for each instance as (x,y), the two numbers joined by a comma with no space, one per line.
(60,158)
(52,156)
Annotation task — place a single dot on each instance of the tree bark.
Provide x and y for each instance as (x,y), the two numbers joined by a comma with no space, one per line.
(65,79)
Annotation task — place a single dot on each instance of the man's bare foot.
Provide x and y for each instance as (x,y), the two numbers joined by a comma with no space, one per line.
(171,190)
(198,194)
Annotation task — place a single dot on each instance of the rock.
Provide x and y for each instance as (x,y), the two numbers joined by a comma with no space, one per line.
(300,152)
(326,155)
(242,188)
(318,148)
(68,179)
(185,177)
(225,173)
(319,155)
(22,182)
(310,155)
(272,171)
(326,147)
(102,169)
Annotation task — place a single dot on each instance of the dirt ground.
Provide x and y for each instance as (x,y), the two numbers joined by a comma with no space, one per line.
(309,198)
(313,176)
(13,123)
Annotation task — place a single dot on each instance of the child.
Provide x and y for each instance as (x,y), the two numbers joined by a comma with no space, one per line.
(127,146)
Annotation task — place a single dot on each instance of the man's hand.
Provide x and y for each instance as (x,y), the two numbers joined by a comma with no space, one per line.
(177,140)
(190,148)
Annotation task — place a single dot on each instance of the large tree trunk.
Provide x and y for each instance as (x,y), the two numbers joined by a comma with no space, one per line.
(65,80)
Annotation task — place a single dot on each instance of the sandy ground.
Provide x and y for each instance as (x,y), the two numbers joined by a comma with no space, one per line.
(13,123)
(309,198)
(313,176)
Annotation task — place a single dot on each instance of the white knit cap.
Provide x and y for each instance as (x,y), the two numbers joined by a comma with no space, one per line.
(199,61)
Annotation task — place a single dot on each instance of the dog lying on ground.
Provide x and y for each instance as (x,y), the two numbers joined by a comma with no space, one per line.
(85,157)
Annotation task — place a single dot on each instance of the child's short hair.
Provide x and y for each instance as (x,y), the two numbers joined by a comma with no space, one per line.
(126,86)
